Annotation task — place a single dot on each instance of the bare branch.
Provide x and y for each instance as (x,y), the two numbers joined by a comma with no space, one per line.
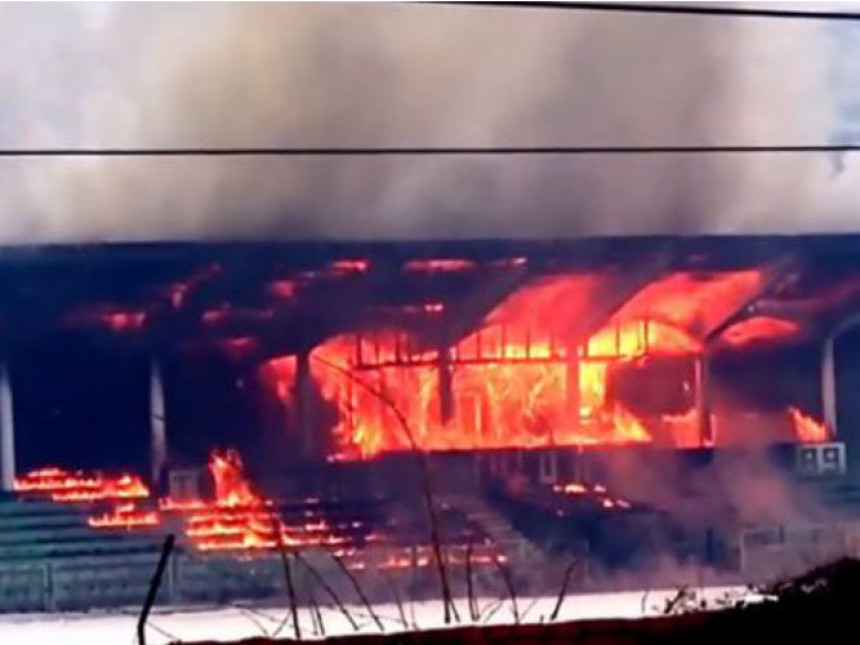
(396,593)
(470,590)
(288,577)
(250,616)
(365,601)
(509,584)
(329,590)
(562,593)
(435,538)
(316,614)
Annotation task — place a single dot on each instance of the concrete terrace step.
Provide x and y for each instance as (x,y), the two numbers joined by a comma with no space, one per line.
(126,544)
(36,535)
(32,508)
(57,521)
(496,526)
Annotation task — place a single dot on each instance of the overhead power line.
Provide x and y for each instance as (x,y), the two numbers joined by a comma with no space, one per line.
(673,9)
(453,151)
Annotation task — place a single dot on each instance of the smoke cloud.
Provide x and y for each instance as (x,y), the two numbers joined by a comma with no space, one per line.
(402,75)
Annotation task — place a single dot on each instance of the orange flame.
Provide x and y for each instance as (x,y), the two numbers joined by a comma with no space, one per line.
(439,265)
(596,493)
(62,486)
(116,320)
(511,380)
(807,429)
(238,519)
(691,302)
(350,266)
(759,328)
(515,379)
(284,289)
(124,516)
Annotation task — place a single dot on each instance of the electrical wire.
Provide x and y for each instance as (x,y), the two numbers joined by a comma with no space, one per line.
(454,151)
(671,9)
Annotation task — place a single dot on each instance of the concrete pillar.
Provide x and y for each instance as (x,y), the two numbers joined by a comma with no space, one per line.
(828,384)
(703,398)
(7,431)
(305,408)
(157,422)
(446,392)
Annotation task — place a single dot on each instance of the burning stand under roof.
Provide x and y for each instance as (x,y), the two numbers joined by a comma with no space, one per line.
(335,358)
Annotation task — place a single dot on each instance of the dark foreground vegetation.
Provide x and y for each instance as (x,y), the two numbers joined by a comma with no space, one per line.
(821,607)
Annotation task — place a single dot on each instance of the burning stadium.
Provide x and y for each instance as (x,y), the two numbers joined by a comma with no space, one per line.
(379,409)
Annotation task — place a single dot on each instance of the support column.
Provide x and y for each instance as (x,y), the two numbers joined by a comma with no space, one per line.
(7,431)
(828,384)
(446,393)
(703,399)
(157,422)
(305,409)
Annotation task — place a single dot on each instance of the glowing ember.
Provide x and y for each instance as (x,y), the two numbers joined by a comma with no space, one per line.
(125,321)
(596,494)
(284,289)
(349,266)
(438,266)
(510,262)
(169,505)
(176,294)
(684,428)
(116,320)
(62,486)
(238,347)
(280,375)
(124,516)
(807,429)
(757,329)
(215,316)
(574,488)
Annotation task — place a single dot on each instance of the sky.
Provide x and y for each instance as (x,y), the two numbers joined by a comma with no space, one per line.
(229,74)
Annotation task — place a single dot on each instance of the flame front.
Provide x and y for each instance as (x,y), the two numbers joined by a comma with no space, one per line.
(240,519)
(807,429)
(63,486)
(515,381)
(525,377)
(237,519)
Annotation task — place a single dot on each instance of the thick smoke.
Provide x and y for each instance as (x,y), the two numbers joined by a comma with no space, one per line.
(402,75)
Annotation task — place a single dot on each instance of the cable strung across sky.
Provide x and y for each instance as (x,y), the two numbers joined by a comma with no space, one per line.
(673,9)
(461,151)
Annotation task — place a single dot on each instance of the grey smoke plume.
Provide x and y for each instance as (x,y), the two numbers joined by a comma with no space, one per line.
(333,74)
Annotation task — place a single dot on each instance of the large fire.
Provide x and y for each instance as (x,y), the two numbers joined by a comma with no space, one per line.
(238,518)
(527,376)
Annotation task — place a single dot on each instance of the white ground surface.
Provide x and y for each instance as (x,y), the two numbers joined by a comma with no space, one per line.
(234,623)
